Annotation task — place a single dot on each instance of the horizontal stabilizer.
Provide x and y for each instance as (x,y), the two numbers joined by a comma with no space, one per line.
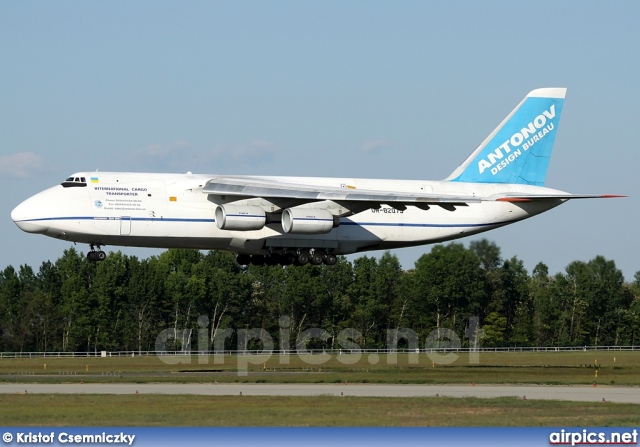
(536,197)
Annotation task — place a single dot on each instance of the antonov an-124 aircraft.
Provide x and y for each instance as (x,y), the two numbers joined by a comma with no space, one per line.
(299,220)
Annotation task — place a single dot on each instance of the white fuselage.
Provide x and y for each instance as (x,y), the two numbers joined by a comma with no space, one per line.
(171,211)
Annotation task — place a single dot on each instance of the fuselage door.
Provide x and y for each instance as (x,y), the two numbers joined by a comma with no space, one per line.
(125,225)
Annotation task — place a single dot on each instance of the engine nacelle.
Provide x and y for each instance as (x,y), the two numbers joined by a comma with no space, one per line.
(307,221)
(239,217)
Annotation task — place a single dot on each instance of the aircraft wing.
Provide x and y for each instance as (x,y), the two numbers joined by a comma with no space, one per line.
(515,198)
(267,188)
(244,187)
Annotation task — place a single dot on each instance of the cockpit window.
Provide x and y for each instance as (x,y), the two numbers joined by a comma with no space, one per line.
(74,182)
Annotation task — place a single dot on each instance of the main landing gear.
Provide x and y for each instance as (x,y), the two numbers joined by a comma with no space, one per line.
(299,258)
(96,256)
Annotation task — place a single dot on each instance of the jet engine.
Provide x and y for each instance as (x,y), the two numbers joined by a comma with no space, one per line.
(307,221)
(240,217)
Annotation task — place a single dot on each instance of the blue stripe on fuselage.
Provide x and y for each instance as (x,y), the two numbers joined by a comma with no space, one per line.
(342,222)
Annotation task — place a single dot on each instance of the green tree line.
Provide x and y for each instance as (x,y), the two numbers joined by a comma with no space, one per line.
(124,303)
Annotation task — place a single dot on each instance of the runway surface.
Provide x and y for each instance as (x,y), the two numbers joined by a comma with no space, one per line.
(568,393)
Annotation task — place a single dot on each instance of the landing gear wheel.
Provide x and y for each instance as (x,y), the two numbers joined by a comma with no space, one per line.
(287,259)
(302,258)
(96,256)
(316,258)
(257,260)
(272,259)
(330,260)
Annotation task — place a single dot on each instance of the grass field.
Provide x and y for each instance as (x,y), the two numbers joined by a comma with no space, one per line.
(157,410)
(550,368)
(561,368)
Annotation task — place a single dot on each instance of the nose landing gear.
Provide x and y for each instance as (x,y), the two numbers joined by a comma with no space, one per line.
(96,256)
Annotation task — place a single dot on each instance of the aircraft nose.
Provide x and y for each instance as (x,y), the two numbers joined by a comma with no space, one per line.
(23,216)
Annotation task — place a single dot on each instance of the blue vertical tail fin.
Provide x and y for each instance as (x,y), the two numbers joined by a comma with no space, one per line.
(519,149)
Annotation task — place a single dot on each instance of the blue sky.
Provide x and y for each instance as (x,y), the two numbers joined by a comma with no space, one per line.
(371,89)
